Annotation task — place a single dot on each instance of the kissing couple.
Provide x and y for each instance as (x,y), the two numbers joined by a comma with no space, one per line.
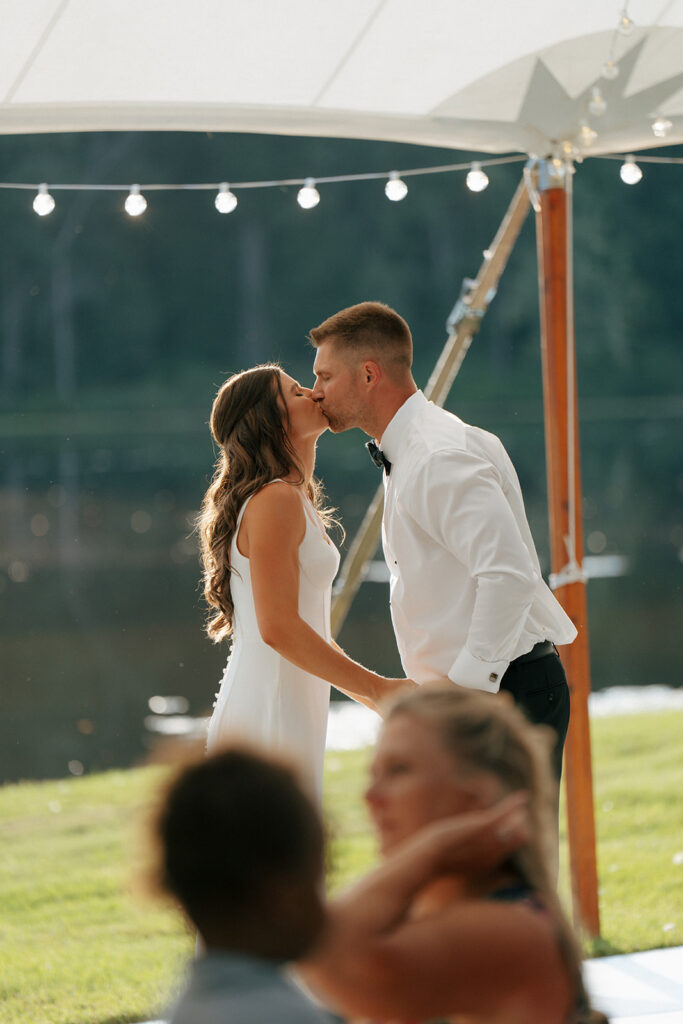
(468,601)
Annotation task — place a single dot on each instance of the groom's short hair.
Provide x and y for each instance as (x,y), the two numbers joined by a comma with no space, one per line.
(365,329)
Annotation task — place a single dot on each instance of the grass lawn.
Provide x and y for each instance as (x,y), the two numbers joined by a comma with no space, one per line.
(79,944)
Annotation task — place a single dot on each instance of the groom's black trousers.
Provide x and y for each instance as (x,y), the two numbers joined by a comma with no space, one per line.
(540,688)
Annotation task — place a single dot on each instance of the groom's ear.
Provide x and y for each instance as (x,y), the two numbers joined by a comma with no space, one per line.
(371,373)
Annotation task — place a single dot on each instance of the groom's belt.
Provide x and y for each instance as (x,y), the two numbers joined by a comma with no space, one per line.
(540,650)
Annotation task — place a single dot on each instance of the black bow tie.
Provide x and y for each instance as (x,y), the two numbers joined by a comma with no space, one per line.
(378,457)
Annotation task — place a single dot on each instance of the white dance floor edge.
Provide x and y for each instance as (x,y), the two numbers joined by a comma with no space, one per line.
(636,988)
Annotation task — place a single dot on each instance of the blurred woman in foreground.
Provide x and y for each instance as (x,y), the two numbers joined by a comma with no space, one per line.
(451,926)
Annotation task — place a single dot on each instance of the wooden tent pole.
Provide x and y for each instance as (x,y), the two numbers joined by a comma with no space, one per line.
(463,324)
(553,227)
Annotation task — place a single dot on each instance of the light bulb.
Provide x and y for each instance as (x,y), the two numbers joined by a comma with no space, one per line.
(661,126)
(395,189)
(597,104)
(43,202)
(477,180)
(570,150)
(587,135)
(629,172)
(135,203)
(625,25)
(610,70)
(308,196)
(225,201)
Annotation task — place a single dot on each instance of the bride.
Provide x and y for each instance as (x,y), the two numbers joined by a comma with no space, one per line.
(268,572)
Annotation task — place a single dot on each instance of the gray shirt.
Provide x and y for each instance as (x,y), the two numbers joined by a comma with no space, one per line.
(226,988)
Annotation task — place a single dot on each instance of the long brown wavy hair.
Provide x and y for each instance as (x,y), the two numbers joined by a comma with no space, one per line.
(487,733)
(249,423)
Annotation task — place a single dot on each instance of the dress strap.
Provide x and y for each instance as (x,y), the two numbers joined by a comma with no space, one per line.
(246,502)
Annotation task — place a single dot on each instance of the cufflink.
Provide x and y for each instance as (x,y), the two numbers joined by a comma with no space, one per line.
(493,677)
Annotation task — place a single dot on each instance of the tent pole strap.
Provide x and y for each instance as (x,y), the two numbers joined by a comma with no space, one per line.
(554,242)
(463,324)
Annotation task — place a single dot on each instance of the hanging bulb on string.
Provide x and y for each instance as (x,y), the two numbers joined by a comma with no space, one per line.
(661,126)
(597,104)
(43,204)
(610,70)
(225,201)
(395,189)
(308,195)
(587,135)
(477,179)
(626,24)
(629,172)
(135,203)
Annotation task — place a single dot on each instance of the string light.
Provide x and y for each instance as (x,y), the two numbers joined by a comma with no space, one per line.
(587,135)
(43,204)
(225,201)
(308,196)
(477,180)
(626,24)
(225,190)
(610,70)
(597,104)
(135,203)
(629,172)
(396,188)
(661,127)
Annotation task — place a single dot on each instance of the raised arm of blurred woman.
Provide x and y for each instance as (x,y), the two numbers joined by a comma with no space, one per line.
(381,958)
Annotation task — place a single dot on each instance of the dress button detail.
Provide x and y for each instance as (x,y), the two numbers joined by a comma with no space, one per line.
(493,677)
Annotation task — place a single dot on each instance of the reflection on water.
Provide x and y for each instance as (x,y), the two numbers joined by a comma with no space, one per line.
(100,607)
(101,615)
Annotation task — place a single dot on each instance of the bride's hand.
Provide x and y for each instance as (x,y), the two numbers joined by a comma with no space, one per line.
(392,688)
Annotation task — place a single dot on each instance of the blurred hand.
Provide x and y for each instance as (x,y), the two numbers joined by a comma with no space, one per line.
(479,840)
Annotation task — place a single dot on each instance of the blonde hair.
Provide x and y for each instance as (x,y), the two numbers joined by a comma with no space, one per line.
(488,733)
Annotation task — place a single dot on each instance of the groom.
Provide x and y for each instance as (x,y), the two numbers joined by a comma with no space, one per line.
(467,597)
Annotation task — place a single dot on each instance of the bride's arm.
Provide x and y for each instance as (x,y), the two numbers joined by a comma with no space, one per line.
(272,530)
(367,701)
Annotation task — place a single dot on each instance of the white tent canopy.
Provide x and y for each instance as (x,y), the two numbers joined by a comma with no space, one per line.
(490,75)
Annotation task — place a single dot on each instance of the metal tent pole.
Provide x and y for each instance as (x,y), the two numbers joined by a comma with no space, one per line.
(554,241)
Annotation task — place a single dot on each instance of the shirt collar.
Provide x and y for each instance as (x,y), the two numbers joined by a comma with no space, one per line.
(393,438)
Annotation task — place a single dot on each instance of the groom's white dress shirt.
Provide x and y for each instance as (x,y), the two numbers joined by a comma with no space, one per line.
(467,596)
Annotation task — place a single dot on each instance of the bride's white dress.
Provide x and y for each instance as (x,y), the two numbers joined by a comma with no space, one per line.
(263,697)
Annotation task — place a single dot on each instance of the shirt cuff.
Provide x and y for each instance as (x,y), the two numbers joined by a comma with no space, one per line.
(476,674)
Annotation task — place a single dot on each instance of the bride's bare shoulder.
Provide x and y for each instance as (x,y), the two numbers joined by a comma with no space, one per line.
(274,519)
(278,501)
(277,492)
